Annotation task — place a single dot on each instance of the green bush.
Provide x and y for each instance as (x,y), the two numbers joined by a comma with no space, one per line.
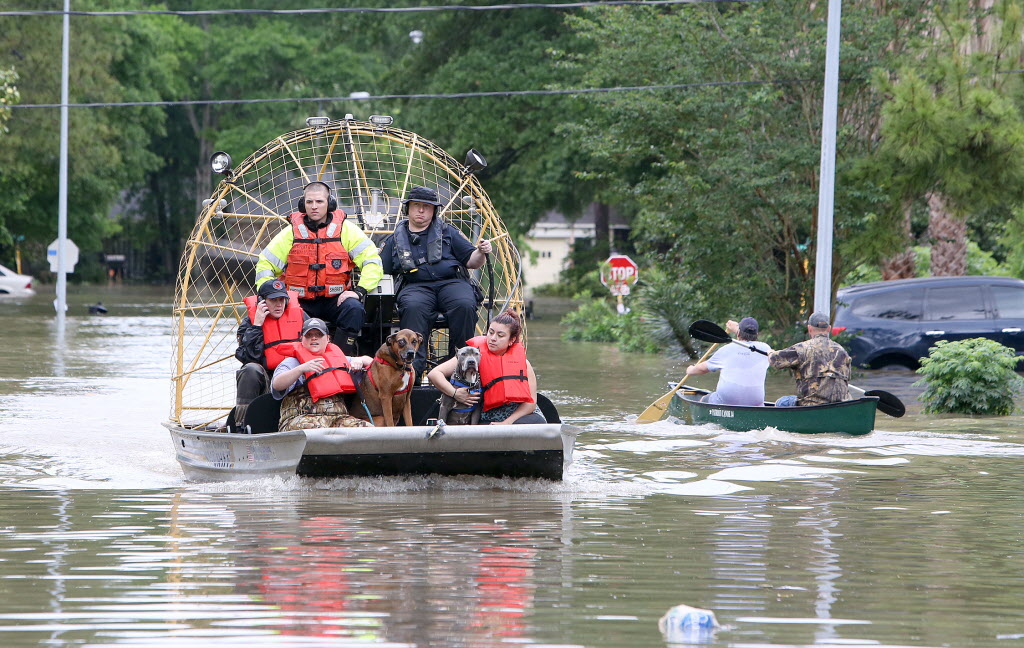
(973,376)
(596,320)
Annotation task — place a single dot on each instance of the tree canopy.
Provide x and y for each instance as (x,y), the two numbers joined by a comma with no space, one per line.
(715,160)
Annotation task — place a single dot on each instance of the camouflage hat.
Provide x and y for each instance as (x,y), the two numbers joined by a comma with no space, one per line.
(819,320)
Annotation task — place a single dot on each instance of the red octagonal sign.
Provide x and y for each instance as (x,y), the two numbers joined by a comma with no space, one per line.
(619,273)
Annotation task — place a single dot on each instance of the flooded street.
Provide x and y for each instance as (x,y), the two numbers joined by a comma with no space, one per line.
(912,535)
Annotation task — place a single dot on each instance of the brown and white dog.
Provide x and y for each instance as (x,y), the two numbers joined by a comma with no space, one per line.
(388,385)
(466,374)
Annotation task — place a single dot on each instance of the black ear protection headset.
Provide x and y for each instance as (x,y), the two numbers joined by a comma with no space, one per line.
(332,204)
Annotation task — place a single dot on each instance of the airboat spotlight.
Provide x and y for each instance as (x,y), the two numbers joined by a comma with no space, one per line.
(220,162)
(382,120)
(474,161)
(318,121)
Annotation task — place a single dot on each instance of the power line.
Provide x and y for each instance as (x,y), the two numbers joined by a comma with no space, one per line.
(457,95)
(327,10)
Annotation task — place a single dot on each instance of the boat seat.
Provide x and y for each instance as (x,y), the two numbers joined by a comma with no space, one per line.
(263,415)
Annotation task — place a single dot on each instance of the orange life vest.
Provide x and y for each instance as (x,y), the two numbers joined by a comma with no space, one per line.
(318,264)
(334,379)
(504,377)
(278,331)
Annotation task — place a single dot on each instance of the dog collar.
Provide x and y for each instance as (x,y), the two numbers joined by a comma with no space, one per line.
(406,378)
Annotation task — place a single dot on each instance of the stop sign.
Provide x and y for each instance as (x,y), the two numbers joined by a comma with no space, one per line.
(619,273)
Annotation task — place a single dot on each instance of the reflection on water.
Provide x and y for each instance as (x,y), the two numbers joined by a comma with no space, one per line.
(906,536)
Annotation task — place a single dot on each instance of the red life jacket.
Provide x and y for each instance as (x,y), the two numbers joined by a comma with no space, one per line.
(278,331)
(318,264)
(334,379)
(504,377)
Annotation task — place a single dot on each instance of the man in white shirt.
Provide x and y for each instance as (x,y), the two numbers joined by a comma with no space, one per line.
(742,379)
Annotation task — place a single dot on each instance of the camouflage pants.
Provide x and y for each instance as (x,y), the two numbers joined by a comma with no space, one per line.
(298,412)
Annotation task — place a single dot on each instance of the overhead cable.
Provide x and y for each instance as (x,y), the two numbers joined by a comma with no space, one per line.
(326,10)
(456,95)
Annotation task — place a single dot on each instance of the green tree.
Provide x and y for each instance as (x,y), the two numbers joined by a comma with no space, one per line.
(952,135)
(109,148)
(532,167)
(723,172)
(8,97)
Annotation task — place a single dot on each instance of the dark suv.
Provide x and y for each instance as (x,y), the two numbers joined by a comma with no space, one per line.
(896,322)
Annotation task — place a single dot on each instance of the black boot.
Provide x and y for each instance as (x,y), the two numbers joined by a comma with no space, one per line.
(346,341)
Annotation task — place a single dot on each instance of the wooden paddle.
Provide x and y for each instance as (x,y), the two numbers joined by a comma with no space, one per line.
(710,332)
(657,409)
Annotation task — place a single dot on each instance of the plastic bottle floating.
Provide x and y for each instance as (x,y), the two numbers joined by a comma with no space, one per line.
(683,623)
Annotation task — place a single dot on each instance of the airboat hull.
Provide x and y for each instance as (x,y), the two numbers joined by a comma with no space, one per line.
(542,451)
(218,456)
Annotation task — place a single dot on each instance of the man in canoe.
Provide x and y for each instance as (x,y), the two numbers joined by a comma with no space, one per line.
(273,317)
(317,256)
(314,382)
(742,379)
(820,365)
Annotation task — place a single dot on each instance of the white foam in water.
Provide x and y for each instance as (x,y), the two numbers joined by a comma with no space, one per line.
(774,472)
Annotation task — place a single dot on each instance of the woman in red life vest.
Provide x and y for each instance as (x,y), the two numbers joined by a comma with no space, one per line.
(313,382)
(273,318)
(506,376)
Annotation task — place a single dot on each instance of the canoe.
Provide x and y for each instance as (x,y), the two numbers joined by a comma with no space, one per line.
(848,417)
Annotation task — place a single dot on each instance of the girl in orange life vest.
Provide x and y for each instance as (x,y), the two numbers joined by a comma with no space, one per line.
(312,399)
(509,383)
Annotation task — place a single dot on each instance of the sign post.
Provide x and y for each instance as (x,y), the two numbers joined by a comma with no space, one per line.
(619,274)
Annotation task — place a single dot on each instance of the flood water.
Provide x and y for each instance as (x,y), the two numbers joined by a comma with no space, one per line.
(910,536)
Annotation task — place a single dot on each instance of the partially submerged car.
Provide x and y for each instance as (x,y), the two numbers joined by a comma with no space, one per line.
(14,284)
(897,322)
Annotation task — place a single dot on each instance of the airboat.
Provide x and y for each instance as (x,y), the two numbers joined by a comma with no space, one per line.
(370,166)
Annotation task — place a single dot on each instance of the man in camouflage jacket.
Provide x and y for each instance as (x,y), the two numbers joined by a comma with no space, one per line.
(821,367)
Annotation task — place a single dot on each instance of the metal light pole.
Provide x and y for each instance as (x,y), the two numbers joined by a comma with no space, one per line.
(62,192)
(827,178)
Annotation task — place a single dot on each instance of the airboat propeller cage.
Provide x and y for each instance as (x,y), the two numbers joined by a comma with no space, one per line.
(361,160)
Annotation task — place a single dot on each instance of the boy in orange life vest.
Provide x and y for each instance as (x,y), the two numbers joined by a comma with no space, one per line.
(506,376)
(314,382)
(273,318)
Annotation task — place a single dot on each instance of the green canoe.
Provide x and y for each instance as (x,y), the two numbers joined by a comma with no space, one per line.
(848,417)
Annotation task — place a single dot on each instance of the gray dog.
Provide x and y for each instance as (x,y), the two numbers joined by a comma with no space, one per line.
(466,374)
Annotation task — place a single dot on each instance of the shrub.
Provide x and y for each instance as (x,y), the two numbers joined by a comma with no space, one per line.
(596,320)
(973,376)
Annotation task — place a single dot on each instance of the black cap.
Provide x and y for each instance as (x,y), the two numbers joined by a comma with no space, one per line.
(818,320)
(749,325)
(273,288)
(423,195)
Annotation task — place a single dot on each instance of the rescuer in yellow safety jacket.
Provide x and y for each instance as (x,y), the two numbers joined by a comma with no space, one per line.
(315,256)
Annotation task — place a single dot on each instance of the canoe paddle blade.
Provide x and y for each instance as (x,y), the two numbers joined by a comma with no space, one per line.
(706,331)
(888,403)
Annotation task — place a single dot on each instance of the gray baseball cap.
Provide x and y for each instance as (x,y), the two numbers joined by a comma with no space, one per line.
(819,320)
(314,323)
